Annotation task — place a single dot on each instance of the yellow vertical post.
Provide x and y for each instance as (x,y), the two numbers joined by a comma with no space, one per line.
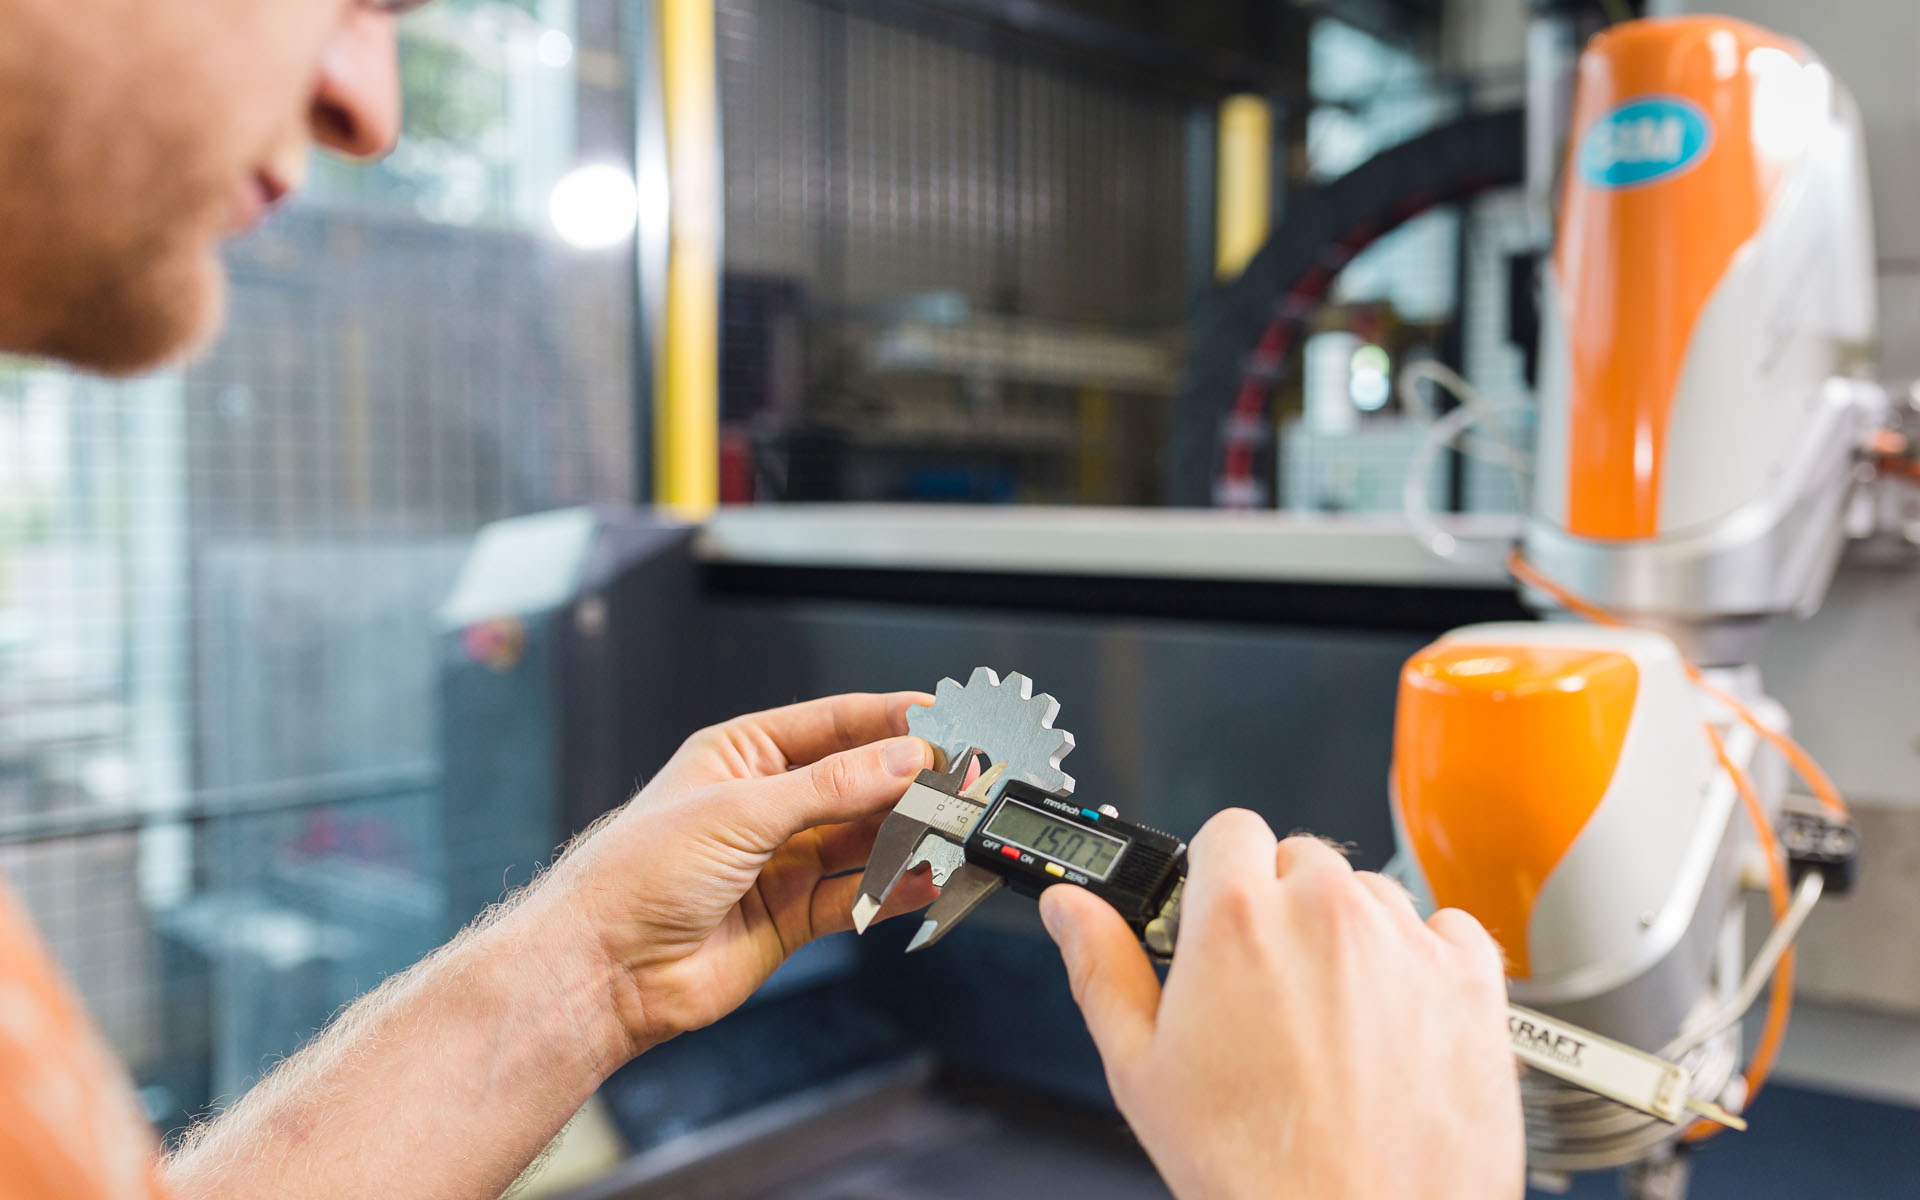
(686,411)
(1095,446)
(1244,186)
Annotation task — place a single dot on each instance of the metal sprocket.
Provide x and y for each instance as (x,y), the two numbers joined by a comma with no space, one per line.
(1002,719)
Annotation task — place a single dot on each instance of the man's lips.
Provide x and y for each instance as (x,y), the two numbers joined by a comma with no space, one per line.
(257,197)
(274,188)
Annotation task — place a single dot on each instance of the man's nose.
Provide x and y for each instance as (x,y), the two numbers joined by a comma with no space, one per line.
(356,96)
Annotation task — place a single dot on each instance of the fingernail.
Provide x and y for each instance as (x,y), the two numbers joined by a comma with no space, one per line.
(907,756)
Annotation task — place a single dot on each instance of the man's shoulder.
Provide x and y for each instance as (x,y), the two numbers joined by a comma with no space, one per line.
(69,1125)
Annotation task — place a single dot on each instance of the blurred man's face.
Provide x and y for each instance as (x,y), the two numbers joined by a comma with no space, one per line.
(137,135)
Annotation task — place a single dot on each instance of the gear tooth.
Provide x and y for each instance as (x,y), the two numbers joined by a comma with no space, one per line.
(983,677)
(1048,710)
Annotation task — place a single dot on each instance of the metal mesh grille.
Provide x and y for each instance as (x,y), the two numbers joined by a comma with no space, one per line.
(929,238)
(870,160)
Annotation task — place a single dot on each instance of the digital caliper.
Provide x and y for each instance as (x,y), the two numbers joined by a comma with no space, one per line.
(980,838)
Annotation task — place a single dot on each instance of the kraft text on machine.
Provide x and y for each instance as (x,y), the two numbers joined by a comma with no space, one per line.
(1545,1041)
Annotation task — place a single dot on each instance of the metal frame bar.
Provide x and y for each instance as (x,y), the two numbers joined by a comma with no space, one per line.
(204,806)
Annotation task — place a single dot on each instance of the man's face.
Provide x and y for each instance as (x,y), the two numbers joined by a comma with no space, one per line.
(137,135)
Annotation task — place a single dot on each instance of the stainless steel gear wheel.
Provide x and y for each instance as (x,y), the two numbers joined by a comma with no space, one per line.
(1002,719)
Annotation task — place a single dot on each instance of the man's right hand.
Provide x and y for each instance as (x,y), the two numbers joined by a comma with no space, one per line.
(1314,1039)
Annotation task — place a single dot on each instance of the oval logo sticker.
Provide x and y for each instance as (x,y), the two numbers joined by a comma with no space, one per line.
(1644,141)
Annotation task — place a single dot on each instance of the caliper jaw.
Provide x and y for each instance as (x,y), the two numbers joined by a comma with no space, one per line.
(929,825)
(896,849)
(961,895)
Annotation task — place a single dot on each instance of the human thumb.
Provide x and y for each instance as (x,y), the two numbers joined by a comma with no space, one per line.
(1113,982)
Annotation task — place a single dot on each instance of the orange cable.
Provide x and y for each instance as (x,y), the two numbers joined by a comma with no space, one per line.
(1795,754)
(1530,575)
(1780,996)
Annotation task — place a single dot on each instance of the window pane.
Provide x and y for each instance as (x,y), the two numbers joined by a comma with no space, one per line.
(218,776)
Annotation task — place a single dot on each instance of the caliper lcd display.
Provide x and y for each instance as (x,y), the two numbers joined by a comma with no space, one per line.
(1063,841)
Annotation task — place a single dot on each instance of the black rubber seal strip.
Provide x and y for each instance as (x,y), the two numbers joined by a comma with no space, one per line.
(1397,608)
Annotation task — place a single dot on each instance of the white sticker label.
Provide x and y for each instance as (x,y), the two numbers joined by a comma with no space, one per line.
(1612,1069)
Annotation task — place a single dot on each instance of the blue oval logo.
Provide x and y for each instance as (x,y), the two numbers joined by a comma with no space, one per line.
(1644,141)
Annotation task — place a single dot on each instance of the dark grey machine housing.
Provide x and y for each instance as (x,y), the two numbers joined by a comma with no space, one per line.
(606,684)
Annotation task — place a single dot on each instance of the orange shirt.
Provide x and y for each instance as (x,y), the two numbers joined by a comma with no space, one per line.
(69,1126)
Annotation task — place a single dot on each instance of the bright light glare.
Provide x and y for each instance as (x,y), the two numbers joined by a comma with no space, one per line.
(1493,664)
(1788,101)
(594,207)
(1369,389)
(554,49)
